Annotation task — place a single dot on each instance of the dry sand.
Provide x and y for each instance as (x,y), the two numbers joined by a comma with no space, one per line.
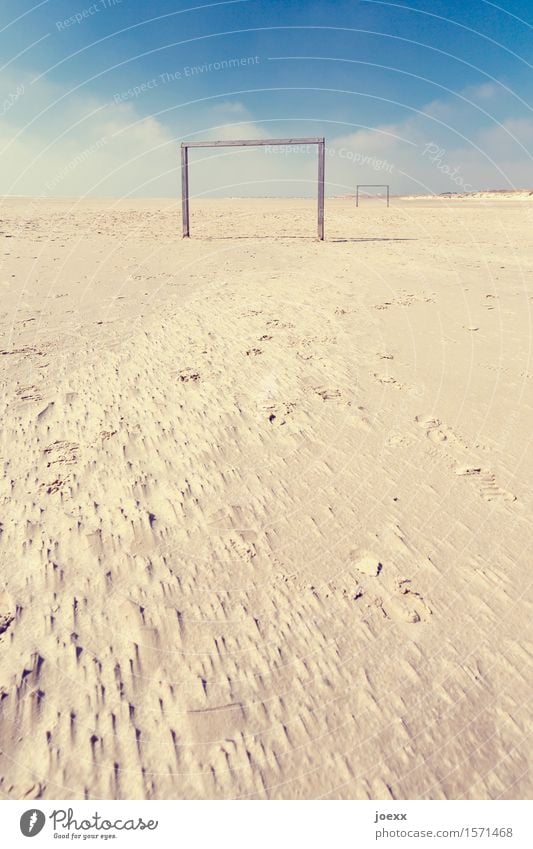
(266,503)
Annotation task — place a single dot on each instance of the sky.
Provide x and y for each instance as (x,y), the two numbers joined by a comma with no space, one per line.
(429,96)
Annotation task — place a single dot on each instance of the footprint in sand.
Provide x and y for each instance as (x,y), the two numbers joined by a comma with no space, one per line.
(387,380)
(281,325)
(276,413)
(188,375)
(305,355)
(369,565)
(240,547)
(327,394)
(361,419)
(61,451)
(29,393)
(437,432)
(7,611)
(55,486)
(488,487)
(402,603)
(434,429)
(397,439)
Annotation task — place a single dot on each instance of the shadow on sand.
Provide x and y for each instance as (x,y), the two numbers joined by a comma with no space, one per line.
(376,239)
(301,238)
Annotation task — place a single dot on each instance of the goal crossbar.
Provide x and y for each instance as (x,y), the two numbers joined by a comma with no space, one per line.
(321,147)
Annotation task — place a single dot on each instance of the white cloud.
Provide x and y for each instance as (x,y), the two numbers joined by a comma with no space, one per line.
(83,145)
(229,107)
(79,146)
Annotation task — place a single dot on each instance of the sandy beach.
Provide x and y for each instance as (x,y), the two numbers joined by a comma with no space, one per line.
(265,502)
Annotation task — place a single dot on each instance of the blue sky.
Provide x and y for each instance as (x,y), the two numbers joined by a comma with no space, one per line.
(427,95)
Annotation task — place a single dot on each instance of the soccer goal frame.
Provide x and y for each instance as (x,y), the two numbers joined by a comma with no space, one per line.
(186,146)
(371,186)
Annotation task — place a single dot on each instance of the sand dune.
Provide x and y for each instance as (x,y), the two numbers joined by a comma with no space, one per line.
(265,502)
(489,195)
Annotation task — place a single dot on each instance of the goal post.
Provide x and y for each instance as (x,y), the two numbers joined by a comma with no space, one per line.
(186,146)
(371,186)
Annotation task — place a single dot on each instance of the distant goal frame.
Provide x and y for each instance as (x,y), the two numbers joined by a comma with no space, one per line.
(372,186)
(186,146)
